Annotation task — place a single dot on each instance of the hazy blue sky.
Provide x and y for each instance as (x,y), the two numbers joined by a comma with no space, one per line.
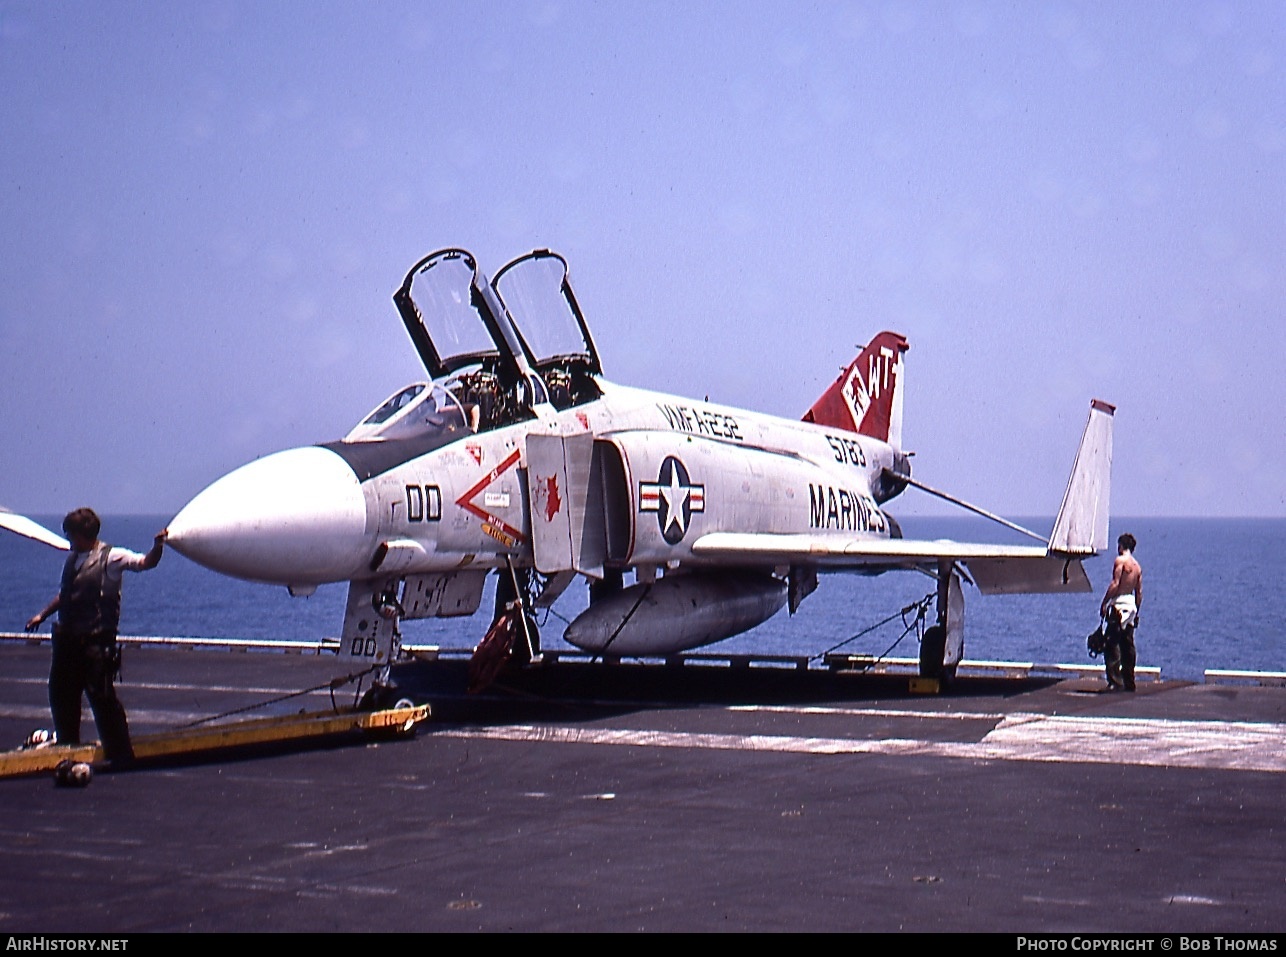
(206,207)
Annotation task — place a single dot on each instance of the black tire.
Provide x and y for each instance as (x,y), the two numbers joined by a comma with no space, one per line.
(378,698)
(933,646)
(505,594)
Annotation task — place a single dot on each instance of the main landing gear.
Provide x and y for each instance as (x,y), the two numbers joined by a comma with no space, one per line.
(513,635)
(942,646)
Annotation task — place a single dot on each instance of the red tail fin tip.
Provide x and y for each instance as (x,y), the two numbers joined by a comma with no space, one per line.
(867,396)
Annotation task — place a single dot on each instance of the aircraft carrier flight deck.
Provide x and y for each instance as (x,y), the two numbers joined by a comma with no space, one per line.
(575,797)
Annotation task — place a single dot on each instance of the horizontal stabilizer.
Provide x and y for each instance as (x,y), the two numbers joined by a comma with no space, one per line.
(34,530)
(1081,525)
(1006,576)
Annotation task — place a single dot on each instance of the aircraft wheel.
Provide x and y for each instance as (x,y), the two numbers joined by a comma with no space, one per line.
(377,698)
(520,653)
(933,646)
(505,596)
(493,652)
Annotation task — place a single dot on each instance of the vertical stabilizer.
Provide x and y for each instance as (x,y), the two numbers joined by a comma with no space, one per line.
(867,396)
(1081,525)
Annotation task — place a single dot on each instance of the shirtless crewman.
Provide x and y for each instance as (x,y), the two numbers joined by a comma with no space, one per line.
(1121,609)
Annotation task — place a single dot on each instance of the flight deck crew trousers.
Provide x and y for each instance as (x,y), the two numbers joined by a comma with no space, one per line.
(1119,655)
(88,663)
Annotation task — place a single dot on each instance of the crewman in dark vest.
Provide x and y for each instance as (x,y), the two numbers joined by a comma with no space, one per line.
(86,658)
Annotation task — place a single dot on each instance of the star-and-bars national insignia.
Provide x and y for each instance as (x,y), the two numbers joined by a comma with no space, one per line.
(674,498)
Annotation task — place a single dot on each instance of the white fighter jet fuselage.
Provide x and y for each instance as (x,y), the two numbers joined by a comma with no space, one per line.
(318,514)
(519,455)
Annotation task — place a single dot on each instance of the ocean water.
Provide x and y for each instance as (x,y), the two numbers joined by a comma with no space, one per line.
(1212,599)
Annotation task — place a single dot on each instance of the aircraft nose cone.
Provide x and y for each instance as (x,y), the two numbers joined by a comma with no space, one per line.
(296,517)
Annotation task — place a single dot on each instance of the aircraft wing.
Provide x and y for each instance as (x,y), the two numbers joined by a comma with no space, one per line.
(29,529)
(995,569)
(1080,530)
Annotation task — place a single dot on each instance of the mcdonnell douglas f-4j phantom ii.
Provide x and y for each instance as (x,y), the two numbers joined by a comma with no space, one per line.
(517,456)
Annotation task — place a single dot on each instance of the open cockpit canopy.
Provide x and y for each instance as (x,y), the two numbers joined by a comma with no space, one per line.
(443,306)
(509,345)
(538,298)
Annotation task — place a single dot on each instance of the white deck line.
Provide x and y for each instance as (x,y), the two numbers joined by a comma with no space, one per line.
(1146,742)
